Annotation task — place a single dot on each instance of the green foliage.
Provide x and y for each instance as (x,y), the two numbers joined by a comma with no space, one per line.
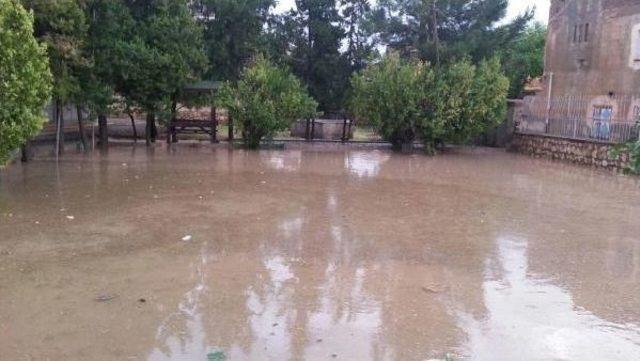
(265,100)
(633,150)
(162,55)
(464,28)
(389,95)
(410,99)
(524,58)
(312,39)
(25,79)
(110,26)
(62,26)
(233,32)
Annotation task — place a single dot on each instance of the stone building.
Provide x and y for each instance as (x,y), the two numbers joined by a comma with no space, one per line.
(593,47)
(591,86)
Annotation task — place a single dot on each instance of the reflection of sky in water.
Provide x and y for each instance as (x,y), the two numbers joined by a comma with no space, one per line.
(530,319)
(357,319)
(289,161)
(365,163)
(181,335)
(269,315)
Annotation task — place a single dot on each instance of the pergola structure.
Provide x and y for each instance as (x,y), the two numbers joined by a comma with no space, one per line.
(195,124)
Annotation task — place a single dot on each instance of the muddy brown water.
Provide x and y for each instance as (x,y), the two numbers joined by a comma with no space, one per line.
(307,254)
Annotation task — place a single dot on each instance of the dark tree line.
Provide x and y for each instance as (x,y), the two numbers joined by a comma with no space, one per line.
(140,54)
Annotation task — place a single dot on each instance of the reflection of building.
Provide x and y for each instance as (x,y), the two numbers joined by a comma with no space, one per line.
(591,87)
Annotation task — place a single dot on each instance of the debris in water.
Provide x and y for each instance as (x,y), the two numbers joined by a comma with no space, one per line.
(142,300)
(334,355)
(275,324)
(187,238)
(216,356)
(431,289)
(105,298)
(71,218)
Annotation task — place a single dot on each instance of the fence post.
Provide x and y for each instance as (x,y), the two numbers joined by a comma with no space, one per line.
(313,128)
(307,133)
(344,129)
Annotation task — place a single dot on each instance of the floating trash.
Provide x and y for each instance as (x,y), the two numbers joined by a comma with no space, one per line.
(187,238)
(105,298)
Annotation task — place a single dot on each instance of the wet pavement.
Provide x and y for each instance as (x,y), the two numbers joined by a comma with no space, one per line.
(202,253)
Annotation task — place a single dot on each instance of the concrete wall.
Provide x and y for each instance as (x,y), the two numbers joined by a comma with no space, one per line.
(589,153)
(326,129)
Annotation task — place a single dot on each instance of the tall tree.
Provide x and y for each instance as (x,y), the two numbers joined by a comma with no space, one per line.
(316,56)
(233,32)
(435,30)
(358,23)
(163,54)
(25,80)
(110,25)
(62,26)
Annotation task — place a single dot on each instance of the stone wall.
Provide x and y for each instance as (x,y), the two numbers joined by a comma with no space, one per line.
(583,152)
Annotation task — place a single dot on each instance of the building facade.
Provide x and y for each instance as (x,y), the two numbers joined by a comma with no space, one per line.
(591,86)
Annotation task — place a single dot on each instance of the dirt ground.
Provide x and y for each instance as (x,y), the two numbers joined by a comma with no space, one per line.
(206,253)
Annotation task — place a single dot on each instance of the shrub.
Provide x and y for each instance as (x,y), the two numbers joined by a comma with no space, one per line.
(265,100)
(25,79)
(389,96)
(406,100)
(633,149)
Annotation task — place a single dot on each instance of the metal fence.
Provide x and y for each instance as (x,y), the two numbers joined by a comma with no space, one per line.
(612,119)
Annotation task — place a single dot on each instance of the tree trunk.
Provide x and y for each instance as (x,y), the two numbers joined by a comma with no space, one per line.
(133,126)
(150,130)
(103,136)
(26,152)
(83,135)
(59,129)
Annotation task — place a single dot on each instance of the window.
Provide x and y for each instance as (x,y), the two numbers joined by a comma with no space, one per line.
(581,33)
(637,47)
(602,115)
(586,32)
(634,46)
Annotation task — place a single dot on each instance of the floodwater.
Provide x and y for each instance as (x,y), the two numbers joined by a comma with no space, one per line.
(203,253)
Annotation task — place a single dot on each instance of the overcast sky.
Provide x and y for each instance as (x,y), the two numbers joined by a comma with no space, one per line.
(515,7)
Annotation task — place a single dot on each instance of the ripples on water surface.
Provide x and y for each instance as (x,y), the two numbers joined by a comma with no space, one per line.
(316,255)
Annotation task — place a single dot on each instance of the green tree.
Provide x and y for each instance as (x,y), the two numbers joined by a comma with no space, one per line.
(315,54)
(357,19)
(410,99)
(463,101)
(25,79)
(164,53)
(110,26)
(62,26)
(389,96)
(524,58)
(444,30)
(233,33)
(265,100)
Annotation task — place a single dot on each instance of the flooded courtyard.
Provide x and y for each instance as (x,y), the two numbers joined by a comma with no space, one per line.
(206,253)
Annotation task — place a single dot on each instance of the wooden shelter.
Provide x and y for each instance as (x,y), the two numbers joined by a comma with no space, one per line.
(195,122)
